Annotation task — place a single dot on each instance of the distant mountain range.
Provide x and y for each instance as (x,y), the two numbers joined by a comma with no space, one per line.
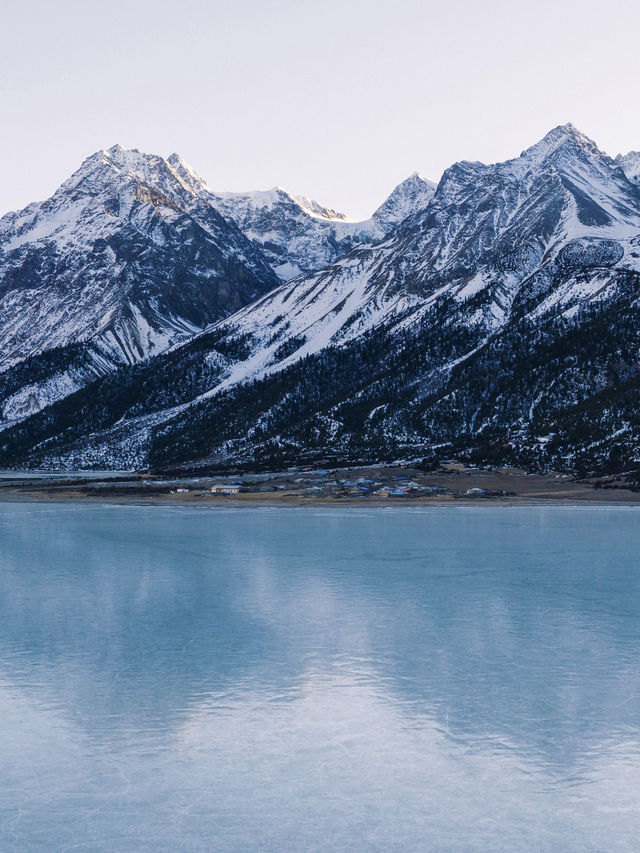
(147,320)
(298,235)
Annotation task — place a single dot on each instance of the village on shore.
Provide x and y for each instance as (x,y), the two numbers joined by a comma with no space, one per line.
(395,483)
(307,482)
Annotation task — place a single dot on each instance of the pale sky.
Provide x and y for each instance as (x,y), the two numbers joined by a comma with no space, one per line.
(335,99)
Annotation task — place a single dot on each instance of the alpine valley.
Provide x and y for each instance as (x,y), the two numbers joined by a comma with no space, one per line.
(147,321)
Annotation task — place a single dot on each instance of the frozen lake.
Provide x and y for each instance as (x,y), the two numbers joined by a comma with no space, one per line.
(441,679)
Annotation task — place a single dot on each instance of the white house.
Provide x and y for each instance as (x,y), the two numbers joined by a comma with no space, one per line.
(226,489)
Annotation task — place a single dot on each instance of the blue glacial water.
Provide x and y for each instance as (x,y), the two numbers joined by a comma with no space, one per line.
(442,679)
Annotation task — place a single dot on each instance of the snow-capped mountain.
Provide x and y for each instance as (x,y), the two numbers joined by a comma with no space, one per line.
(296,234)
(299,235)
(501,322)
(409,197)
(494,241)
(630,164)
(134,253)
(122,261)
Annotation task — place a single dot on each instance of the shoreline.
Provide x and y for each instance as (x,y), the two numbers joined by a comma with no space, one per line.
(296,502)
(452,484)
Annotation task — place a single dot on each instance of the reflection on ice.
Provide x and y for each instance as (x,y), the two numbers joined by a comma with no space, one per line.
(301,680)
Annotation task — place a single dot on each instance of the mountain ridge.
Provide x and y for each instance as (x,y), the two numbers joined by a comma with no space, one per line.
(123,258)
(500,321)
(299,235)
(128,256)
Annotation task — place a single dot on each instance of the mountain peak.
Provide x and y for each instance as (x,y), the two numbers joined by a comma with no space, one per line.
(412,194)
(630,164)
(559,138)
(568,131)
(186,173)
(266,199)
(117,163)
